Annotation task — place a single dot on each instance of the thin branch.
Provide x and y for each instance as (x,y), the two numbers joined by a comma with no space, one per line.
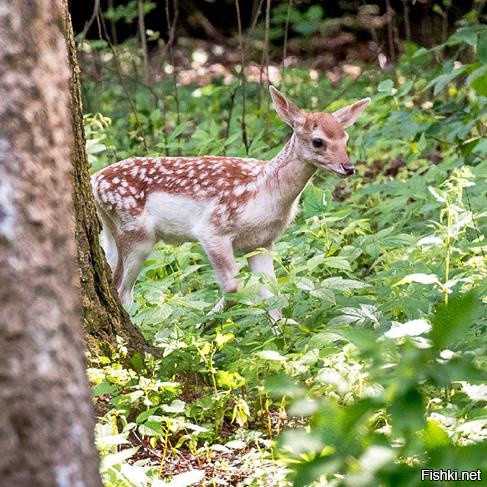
(242,77)
(88,24)
(143,41)
(163,55)
(229,118)
(264,62)
(474,222)
(407,24)
(286,31)
(113,27)
(101,23)
(390,33)
(171,28)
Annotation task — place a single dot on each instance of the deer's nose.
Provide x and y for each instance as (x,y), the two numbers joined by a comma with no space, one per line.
(349,170)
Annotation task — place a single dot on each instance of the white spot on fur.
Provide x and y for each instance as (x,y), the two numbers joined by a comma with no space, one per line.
(239,190)
(251,187)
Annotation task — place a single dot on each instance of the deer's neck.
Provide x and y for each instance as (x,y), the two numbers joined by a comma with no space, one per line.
(287,173)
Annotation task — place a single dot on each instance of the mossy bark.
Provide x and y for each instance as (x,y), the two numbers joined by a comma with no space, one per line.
(103,315)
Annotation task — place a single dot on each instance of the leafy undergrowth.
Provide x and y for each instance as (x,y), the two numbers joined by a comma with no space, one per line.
(378,367)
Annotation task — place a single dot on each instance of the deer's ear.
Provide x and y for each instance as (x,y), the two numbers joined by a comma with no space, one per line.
(348,115)
(286,109)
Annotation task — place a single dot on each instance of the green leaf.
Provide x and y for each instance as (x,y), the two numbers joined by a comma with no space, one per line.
(410,328)
(419,277)
(479,84)
(192,477)
(452,320)
(178,130)
(307,472)
(482,48)
(314,201)
(324,294)
(481,147)
(177,406)
(117,458)
(464,34)
(422,144)
(271,355)
(315,12)
(441,81)
(146,414)
(341,284)
(337,263)
(230,380)
(223,338)
(149,428)
(103,388)
(305,406)
(435,436)
(408,412)
(386,86)
(298,442)
(315,261)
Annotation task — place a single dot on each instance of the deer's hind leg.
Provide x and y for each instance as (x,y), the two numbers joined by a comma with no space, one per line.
(220,254)
(134,245)
(107,238)
(263,263)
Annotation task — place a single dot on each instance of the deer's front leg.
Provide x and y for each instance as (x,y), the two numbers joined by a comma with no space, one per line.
(220,253)
(263,263)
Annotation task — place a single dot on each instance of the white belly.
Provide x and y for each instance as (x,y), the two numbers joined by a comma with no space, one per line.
(176,219)
(261,223)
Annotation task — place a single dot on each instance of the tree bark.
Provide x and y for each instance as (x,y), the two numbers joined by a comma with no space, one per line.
(46,423)
(103,315)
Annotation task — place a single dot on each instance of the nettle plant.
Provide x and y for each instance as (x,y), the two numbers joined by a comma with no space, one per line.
(380,350)
(410,419)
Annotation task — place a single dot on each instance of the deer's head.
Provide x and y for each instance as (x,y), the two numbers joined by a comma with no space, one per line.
(321,136)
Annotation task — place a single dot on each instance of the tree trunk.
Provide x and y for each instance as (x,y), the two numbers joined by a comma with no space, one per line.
(103,315)
(46,423)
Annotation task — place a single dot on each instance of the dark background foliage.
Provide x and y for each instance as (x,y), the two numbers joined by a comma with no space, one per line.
(426,17)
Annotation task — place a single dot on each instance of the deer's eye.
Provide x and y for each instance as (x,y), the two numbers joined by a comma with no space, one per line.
(319,143)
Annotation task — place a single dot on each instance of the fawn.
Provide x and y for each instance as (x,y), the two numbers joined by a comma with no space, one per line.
(225,203)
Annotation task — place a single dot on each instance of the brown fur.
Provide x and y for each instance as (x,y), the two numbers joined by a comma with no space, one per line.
(123,187)
(326,122)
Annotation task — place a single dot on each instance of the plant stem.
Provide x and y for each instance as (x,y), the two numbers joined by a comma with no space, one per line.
(448,250)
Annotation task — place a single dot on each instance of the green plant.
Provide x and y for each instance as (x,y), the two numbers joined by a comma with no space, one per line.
(379,366)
